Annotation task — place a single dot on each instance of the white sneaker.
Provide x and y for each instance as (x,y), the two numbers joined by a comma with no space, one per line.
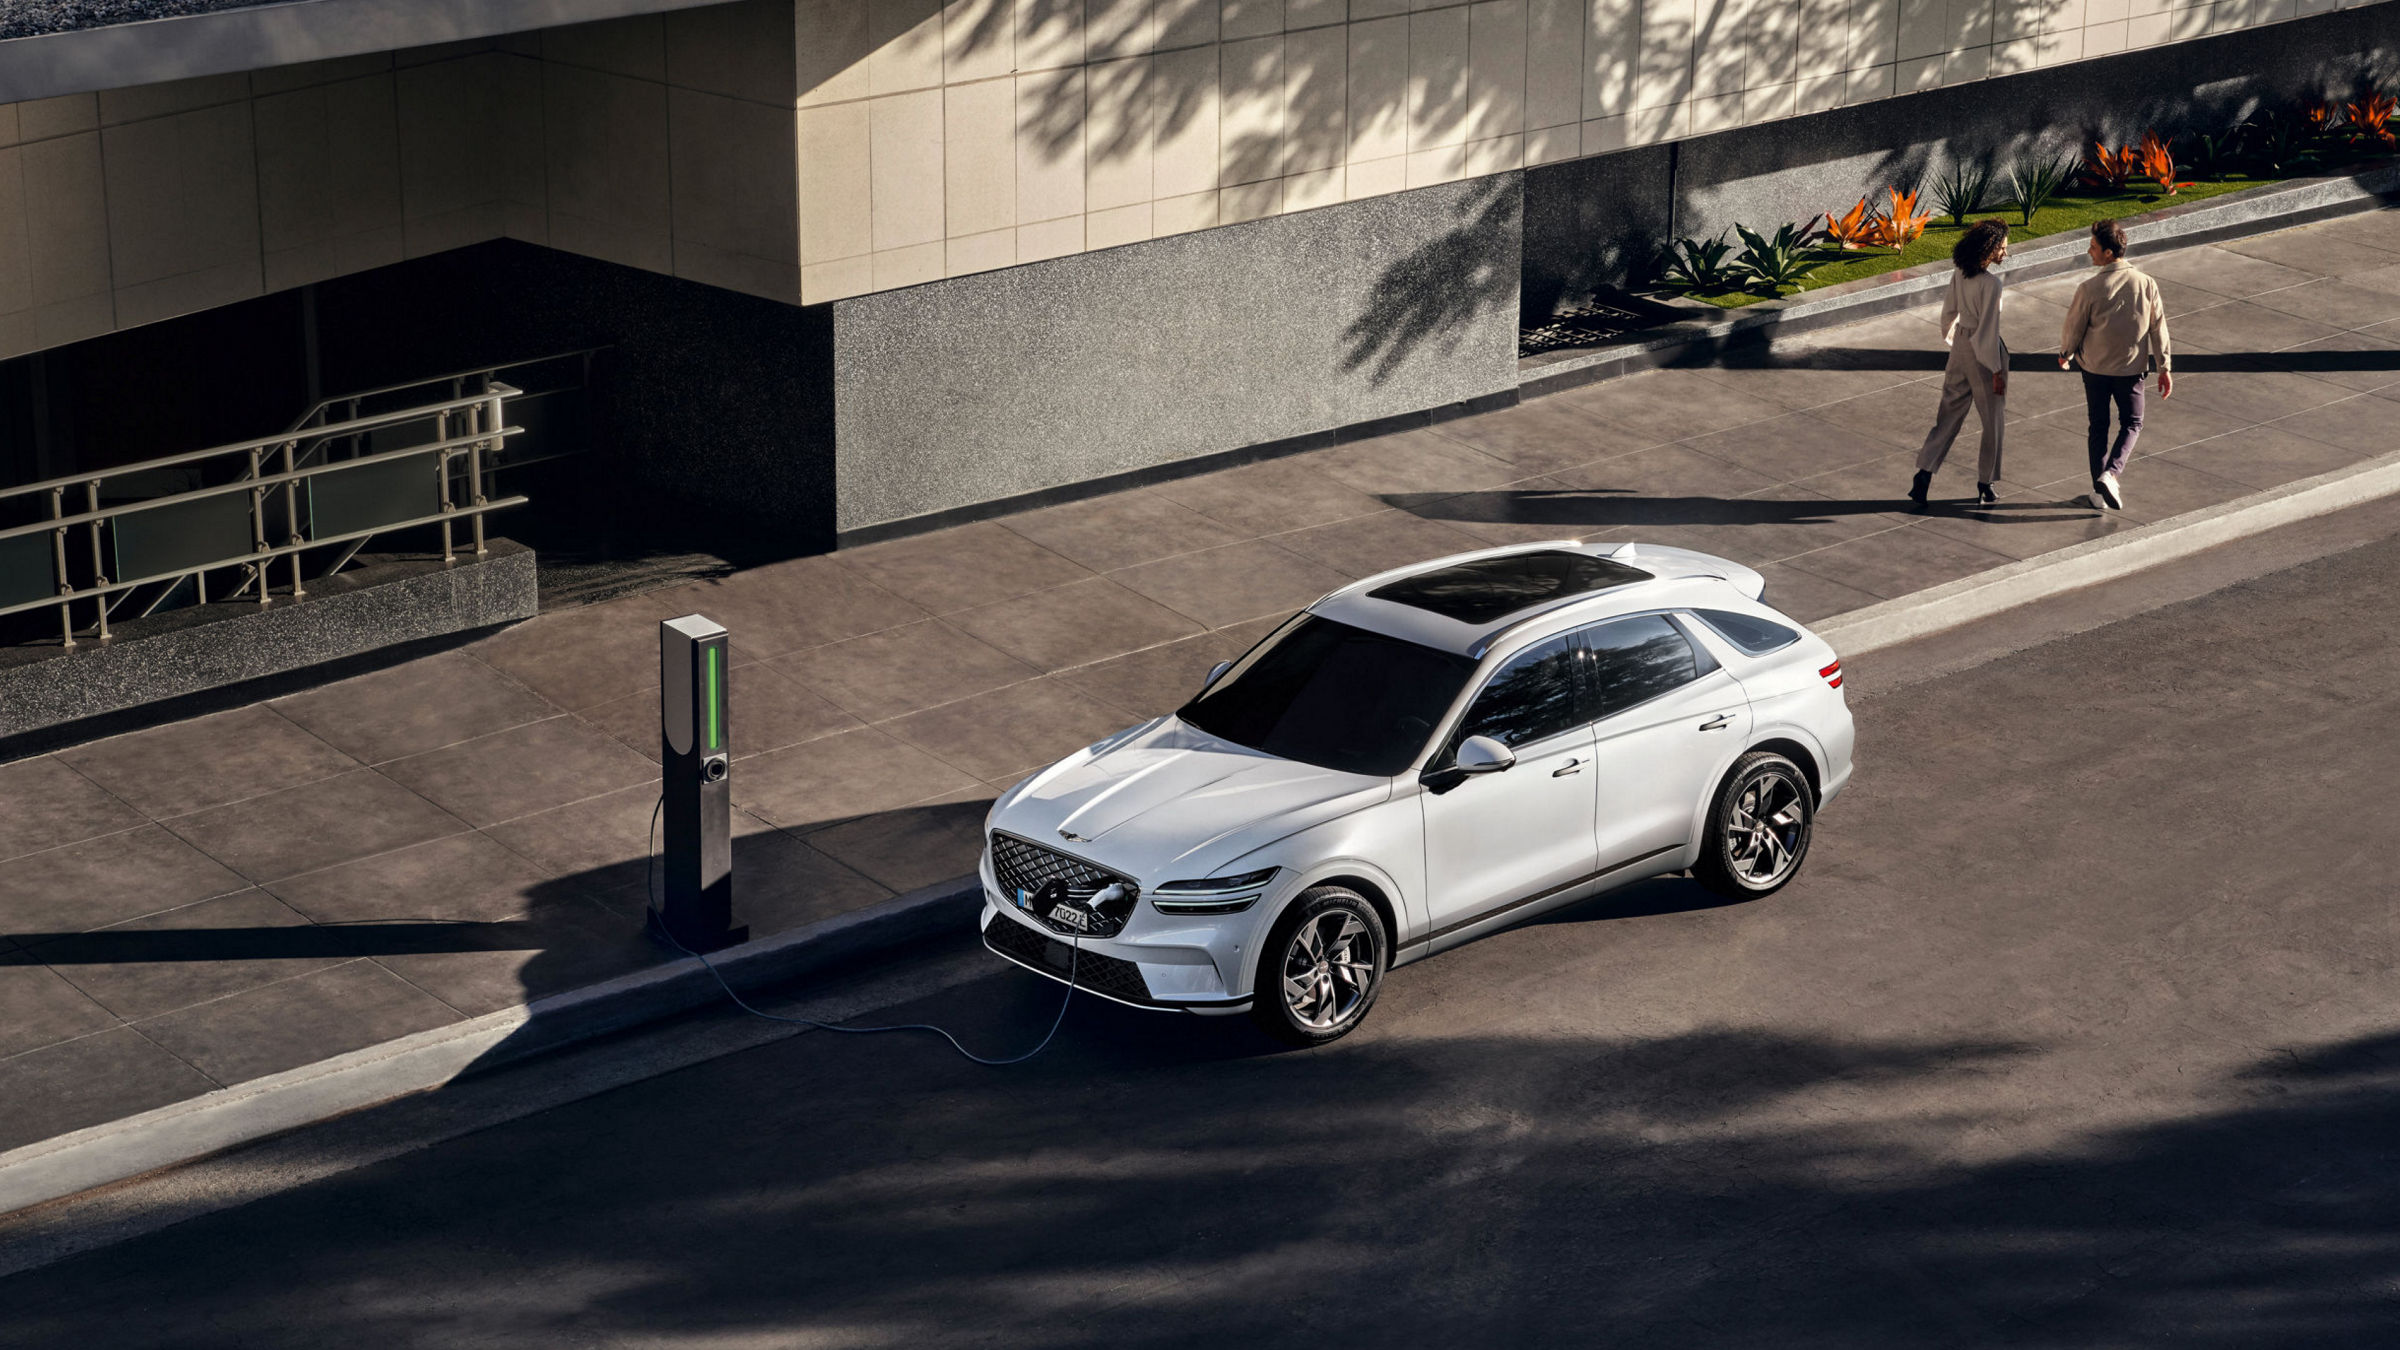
(2110,493)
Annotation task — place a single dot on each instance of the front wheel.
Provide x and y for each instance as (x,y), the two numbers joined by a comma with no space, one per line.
(1758,827)
(1320,970)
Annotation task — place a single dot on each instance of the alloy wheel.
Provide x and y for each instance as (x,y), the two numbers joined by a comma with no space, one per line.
(1328,969)
(1763,826)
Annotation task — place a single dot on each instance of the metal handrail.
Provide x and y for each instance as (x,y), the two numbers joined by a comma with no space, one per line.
(415,414)
(301,423)
(269,480)
(269,554)
(483,429)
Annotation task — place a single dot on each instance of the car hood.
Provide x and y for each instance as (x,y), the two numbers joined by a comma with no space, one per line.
(1168,801)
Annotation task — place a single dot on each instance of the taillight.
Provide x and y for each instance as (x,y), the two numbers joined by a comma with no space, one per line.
(1833,674)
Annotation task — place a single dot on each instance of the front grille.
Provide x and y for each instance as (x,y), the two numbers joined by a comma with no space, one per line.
(1100,974)
(1035,879)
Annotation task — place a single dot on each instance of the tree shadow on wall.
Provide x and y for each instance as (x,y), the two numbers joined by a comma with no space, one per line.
(1436,294)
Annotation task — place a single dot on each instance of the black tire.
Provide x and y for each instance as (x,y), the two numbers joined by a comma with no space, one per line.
(1734,849)
(1350,983)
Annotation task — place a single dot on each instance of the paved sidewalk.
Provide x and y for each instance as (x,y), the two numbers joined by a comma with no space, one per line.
(216,900)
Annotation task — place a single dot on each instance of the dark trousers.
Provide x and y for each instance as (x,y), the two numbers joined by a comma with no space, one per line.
(2126,392)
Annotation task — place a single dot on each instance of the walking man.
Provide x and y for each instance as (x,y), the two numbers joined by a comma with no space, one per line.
(2117,331)
(1976,374)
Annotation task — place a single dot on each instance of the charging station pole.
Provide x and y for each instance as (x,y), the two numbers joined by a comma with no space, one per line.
(694,767)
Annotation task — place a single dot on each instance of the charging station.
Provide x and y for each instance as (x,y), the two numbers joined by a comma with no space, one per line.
(695,769)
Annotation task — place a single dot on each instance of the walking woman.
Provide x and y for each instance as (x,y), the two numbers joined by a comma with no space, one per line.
(1977,372)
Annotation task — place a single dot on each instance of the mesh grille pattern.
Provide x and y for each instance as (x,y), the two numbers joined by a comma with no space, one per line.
(1028,867)
(1100,974)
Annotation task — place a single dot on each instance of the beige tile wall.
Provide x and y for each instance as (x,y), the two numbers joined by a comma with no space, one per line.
(815,149)
(937,140)
(663,142)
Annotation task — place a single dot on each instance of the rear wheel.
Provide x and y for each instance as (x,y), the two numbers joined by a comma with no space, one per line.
(1758,827)
(1321,968)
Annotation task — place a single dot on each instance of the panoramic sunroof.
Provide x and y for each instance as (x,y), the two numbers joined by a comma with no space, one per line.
(1493,588)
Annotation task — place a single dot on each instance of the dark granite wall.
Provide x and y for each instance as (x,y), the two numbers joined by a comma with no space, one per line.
(1595,221)
(991,386)
(709,398)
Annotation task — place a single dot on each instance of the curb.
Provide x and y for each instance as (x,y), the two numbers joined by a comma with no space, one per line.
(185,1131)
(120,1150)
(2235,215)
(1967,599)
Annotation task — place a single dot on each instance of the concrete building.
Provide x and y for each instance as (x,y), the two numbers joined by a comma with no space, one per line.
(862,264)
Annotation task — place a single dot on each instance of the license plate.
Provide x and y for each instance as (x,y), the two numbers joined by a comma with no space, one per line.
(1072,917)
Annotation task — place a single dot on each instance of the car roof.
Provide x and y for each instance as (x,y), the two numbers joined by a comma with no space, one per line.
(1463,603)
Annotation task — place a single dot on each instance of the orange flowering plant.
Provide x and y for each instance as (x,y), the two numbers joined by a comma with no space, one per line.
(1901,223)
(1852,229)
(2157,161)
(2371,120)
(2108,168)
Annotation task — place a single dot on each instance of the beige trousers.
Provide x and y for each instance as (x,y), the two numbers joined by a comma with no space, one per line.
(1965,382)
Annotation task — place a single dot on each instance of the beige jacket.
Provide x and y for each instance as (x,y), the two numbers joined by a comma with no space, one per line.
(1970,319)
(2116,324)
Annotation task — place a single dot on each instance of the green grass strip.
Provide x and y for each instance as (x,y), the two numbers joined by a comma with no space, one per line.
(2061,216)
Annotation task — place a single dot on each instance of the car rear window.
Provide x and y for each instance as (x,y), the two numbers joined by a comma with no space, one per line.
(1484,589)
(1329,694)
(1753,635)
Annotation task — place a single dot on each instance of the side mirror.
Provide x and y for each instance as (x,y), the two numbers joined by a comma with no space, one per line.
(1214,673)
(1482,754)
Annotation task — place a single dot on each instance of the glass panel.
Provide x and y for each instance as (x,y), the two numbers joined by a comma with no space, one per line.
(177,538)
(380,491)
(1328,694)
(1636,660)
(1532,698)
(1754,635)
(27,570)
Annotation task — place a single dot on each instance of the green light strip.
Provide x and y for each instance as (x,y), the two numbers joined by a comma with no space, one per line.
(716,704)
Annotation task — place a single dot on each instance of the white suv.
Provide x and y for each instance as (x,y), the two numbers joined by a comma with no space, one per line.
(1415,761)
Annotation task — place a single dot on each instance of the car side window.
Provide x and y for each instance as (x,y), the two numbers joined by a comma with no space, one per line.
(1531,698)
(1636,660)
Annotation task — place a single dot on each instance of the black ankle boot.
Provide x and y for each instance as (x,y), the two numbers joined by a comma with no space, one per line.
(1918,489)
(1985,495)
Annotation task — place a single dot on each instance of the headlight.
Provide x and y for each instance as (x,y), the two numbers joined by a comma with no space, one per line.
(1212,895)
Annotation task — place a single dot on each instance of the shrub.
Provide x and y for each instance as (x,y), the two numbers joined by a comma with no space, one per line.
(1960,192)
(1771,264)
(2275,144)
(2214,156)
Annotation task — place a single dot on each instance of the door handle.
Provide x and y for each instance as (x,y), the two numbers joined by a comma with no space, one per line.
(1718,722)
(1571,766)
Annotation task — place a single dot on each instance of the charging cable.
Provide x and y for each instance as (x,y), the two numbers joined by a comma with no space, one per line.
(650,894)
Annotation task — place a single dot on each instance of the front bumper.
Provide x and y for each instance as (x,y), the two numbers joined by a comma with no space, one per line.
(1111,977)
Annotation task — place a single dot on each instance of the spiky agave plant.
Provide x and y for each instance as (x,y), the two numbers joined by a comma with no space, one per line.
(2036,181)
(1773,263)
(1699,265)
(1958,193)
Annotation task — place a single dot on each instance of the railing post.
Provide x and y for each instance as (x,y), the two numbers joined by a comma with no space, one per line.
(441,460)
(291,515)
(489,411)
(258,525)
(91,502)
(58,554)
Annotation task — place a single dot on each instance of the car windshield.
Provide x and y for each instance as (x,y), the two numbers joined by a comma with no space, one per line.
(1338,697)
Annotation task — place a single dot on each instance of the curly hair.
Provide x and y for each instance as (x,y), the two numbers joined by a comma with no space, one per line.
(1980,246)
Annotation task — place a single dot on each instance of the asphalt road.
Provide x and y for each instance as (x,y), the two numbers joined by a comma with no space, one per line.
(2080,1028)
